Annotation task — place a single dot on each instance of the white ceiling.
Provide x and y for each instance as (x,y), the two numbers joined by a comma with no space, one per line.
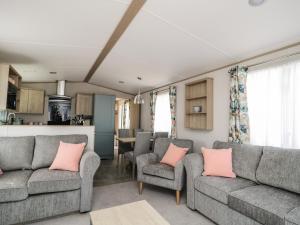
(167,41)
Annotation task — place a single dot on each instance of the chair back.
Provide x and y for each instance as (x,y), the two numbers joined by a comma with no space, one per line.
(161,134)
(142,143)
(123,133)
(137,130)
(162,144)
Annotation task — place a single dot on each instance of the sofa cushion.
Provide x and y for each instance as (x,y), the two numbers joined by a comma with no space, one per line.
(267,205)
(46,148)
(219,188)
(46,181)
(293,217)
(280,168)
(13,185)
(245,158)
(16,153)
(160,170)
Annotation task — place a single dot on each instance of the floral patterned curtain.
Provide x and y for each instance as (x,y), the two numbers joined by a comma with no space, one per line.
(172,95)
(153,96)
(239,120)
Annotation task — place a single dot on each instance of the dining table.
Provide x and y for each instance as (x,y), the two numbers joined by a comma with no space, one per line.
(126,139)
(130,139)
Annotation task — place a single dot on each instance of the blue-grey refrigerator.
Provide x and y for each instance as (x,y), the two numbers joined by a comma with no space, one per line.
(104,113)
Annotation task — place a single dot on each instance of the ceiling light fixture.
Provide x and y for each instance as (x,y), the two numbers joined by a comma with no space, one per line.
(138,99)
(256,2)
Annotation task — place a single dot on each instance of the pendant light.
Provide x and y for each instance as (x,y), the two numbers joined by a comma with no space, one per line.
(138,99)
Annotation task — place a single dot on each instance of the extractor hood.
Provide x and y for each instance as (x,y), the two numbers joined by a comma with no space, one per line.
(60,92)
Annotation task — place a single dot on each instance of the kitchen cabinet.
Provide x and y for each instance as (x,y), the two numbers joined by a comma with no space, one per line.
(22,99)
(31,101)
(134,115)
(84,104)
(10,82)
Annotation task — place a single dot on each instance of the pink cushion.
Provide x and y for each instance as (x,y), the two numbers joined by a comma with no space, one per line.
(68,157)
(218,162)
(173,155)
(1,172)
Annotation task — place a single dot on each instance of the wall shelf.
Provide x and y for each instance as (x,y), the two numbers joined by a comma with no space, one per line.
(194,98)
(199,93)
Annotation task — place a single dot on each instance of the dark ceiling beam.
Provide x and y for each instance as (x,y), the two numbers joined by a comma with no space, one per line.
(132,10)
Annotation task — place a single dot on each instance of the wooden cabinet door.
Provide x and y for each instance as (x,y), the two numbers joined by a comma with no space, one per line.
(84,104)
(134,114)
(36,101)
(22,106)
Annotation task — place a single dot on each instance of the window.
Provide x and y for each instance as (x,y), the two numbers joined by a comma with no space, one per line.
(162,121)
(274,105)
(124,120)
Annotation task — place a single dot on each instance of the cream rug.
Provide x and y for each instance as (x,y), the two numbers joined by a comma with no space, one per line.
(135,213)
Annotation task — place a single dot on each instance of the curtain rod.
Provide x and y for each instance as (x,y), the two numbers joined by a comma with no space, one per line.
(165,89)
(274,59)
(246,67)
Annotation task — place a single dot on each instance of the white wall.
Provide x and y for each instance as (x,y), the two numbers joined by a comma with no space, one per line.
(17,131)
(221,105)
(71,89)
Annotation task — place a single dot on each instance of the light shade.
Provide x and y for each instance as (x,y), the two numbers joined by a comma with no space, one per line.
(138,99)
(256,2)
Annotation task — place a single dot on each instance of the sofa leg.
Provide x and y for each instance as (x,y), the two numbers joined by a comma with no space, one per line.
(177,197)
(140,187)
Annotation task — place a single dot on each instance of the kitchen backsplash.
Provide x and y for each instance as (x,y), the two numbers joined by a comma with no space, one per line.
(3,116)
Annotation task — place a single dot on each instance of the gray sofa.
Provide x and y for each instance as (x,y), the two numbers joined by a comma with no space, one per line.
(29,191)
(266,190)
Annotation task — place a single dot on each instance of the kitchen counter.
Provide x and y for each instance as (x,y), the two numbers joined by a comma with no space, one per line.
(33,130)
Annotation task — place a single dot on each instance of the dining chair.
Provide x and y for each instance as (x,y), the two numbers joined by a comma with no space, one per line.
(142,146)
(123,147)
(138,130)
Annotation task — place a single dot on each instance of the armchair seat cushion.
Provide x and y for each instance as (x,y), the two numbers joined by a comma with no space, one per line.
(48,181)
(13,185)
(160,170)
(265,204)
(220,187)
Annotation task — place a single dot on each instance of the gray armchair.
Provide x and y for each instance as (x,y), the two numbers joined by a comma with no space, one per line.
(150,171)
(142,146)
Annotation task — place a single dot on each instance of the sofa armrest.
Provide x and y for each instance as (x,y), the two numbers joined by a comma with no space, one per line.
(143,160)
(89,164)
(193,164)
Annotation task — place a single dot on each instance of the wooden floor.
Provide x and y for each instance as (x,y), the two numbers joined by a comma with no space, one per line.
(110,172)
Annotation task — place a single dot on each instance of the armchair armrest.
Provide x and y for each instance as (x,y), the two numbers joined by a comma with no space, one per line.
(89,164)
(143,160)
(193,164)
(179,175)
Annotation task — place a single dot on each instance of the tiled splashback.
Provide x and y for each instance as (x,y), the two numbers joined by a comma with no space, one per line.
(3,116)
